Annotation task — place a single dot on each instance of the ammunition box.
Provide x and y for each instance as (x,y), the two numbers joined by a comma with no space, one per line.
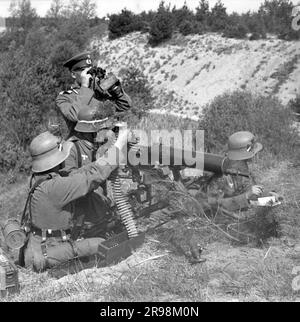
(119,247)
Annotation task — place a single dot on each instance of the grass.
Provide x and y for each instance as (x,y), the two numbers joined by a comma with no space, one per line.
(161,271)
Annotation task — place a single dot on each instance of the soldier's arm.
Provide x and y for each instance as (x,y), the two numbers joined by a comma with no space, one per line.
(68,189)
(121,99)
(231,204)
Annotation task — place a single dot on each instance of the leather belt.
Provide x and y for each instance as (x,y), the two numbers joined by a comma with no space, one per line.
(49,232)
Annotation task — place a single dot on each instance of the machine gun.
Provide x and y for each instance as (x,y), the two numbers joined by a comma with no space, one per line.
(135,182)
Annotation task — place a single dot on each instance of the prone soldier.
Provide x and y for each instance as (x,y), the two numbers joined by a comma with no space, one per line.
(236,192)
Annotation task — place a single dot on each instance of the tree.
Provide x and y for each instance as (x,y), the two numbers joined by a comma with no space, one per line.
(277,17)
(202,12)
(88,9)
(120,24)
(161,26)
(23,15)
(218,17)
(75,25)
(56,9)
(182,15)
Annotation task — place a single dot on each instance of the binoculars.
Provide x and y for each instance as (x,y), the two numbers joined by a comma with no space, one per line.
(101,80)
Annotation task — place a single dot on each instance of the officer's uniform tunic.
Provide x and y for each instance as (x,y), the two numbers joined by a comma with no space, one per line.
(70,102)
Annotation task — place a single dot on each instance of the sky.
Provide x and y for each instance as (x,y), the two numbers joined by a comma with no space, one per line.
(105,7)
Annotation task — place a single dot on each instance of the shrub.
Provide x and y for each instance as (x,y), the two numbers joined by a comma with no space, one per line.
(138,88)
(120,24)
(60,52)
(264,116)
(13,157)
(75,29)
(235,31)
(188,27)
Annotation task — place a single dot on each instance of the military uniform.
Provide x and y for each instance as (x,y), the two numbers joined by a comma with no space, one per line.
(53,208)
(236,203)
(71,102)
(93,207)
(81,154)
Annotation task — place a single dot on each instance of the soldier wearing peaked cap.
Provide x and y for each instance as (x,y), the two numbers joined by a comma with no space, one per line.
(81,96)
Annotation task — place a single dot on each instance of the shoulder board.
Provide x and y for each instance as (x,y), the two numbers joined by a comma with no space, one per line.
(72,139)
(70,91)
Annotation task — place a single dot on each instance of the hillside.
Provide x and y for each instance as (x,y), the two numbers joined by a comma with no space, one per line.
(188,72)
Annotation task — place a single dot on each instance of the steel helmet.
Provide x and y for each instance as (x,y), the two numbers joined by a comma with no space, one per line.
(242,146)
(48,151)
(93,119)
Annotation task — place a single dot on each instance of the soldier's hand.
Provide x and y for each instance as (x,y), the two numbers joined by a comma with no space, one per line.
(85,78)
(254,191)
(277,196)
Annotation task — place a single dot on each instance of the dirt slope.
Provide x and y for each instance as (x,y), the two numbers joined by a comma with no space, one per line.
(188,72)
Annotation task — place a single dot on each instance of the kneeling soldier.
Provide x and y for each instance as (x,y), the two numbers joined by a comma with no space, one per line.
(51,202)
(92,210)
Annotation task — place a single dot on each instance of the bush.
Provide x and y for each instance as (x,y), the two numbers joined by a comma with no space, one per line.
(75,29)
(13,157)
(120,24)
(236,31)
(266,117)
(138,88)
(188,27)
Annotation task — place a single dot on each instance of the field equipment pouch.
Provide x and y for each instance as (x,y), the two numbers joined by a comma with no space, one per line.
(42,255)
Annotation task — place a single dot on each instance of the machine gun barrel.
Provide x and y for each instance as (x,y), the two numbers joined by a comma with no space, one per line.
(177,157)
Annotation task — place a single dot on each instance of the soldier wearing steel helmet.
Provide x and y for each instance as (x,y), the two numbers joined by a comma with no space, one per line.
(52,201)
(81,96)
(89,133)
(242,147)
(235,192)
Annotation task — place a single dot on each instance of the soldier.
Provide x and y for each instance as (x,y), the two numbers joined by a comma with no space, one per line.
(92,210)
(235,192)
(91,131)
(51,201)
(241,149)
(81,96)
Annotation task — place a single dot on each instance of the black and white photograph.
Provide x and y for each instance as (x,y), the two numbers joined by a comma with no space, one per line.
(149,154)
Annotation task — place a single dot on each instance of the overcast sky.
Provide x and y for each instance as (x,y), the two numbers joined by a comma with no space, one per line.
(105,7)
